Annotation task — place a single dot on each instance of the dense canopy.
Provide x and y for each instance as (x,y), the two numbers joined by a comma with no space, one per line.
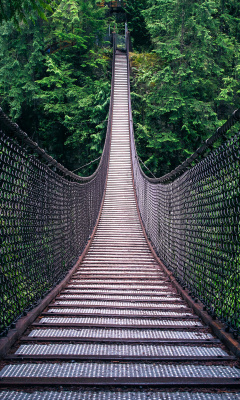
(55,70)
(18,9)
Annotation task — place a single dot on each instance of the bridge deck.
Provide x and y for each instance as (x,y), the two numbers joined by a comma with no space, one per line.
(119,322)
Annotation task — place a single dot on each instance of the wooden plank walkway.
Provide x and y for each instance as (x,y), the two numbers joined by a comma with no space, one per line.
(119,324)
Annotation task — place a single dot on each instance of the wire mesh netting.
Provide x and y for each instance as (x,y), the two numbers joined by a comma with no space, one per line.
(193,223)
(47,214)
(47,217)
(46,221)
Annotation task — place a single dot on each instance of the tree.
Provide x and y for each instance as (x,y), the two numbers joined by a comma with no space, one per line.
(55,81)
(19,9)
(193,84)
(137,24)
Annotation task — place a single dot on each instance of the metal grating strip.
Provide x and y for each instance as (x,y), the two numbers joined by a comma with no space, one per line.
(150,313)
(116,304)
(107,369)
(123,276)
(119,333)
(133,350)
(123,297)
(118,321)
(111,285)
(116,395)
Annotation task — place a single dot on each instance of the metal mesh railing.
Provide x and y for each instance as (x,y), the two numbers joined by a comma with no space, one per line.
(120,42)
(193,222)
(47,214)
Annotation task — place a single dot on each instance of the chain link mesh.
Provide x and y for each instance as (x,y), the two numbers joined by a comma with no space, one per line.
(46,221)
(193,223)
(47,215)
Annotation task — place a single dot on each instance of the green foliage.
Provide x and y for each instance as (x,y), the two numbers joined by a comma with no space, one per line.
(190,84)
(137,24)
(19,9)
(55,80)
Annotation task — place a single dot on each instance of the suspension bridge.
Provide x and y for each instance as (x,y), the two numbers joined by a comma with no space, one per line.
(150,308)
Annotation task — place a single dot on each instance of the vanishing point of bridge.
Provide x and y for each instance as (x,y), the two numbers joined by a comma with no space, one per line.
(120,326)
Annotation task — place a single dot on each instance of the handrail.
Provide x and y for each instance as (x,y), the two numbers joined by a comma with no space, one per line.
(51,162)
(6,122)
(208,143)
(220,132)
(47,217)
(193,221)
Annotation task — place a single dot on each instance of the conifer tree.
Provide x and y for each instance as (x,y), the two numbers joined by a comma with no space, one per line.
(20,9)
(55,82)
(193,82)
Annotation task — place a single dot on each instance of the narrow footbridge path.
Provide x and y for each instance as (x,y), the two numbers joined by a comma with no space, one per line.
(119,330)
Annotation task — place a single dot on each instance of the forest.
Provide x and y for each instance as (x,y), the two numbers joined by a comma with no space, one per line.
(55,74)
